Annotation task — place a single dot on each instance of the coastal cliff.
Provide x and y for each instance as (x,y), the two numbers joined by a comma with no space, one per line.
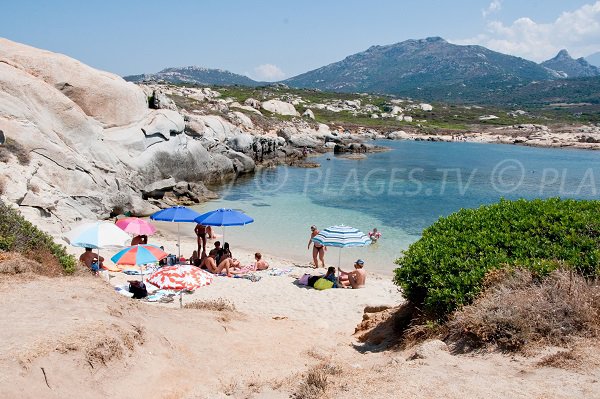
(84,144)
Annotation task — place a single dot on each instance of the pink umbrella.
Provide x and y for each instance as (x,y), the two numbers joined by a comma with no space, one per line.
(136,226)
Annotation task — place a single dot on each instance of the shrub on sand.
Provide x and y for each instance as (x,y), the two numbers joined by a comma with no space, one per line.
(445,269)
(519,309)
(19,235)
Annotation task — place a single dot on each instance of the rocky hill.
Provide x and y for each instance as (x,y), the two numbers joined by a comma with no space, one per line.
(569,67)
(594,59)
(194,75)
(429,68)
(82,144)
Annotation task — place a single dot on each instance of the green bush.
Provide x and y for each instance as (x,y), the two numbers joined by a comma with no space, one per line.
(18,235)
(446,267)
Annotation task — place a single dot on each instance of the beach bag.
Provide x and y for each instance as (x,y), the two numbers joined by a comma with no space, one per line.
(138,289)
(304,279)
(323,284)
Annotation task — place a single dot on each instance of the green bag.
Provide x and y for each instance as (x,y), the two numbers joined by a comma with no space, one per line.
(323,284)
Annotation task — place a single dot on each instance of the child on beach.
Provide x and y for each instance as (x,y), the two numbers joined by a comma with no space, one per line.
(374,235)
(259,264)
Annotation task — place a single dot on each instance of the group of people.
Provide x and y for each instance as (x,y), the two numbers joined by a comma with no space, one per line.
(220,260)
(355,278)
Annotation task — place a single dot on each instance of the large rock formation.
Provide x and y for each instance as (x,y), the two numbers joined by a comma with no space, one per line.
(92,140)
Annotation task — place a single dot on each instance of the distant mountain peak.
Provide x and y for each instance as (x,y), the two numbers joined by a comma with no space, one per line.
(562,54)
(566,66)
(194,74)
(424,68)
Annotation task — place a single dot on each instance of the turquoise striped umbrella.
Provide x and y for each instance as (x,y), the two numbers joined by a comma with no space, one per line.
(341,237)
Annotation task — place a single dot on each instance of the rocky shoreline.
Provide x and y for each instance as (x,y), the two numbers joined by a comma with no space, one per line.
(81,144)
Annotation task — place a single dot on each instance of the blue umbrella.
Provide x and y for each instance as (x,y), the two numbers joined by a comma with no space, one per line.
(176,214)
(341,237)
(224,217)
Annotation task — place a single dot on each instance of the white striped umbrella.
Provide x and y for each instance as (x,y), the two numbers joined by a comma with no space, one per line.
(341,237)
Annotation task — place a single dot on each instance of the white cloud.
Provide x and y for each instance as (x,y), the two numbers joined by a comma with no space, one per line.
(495,6)
(268,72)
(578,31)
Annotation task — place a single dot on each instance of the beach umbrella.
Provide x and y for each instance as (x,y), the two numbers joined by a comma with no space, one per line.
(136,226)
(97,235)
(341,237)
(224,217)
(176,214)
(180,277)
(140,254)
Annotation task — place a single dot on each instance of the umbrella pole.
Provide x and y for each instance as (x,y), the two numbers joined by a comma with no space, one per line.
(339,259)
(178,244)
(223,235)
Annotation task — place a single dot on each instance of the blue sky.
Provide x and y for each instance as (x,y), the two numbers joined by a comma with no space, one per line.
(271,40)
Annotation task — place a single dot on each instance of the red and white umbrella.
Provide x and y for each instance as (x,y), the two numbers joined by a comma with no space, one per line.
(180,277)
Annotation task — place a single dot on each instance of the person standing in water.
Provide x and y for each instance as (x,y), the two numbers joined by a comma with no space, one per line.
(318,249)
(374,235)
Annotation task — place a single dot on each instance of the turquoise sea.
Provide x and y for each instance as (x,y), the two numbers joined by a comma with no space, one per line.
(401,192)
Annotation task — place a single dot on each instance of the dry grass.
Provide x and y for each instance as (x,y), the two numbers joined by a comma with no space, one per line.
(316,383)
(568,360)
(12,263)
(519,311)
(218,305)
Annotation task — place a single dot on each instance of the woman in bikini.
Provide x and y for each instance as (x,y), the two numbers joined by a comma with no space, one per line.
(318,249)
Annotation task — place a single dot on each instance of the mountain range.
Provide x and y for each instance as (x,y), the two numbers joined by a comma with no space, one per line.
(431,69)
(195,75)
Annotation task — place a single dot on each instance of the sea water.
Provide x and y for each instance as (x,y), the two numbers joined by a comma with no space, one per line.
(400,192)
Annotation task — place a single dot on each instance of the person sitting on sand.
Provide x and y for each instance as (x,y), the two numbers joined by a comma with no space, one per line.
(355,278)
(226,250)
(330,275)
(374,235)
(141,240)
(260,264)
(209,263)
(195,259)
(88,258)
(216,249)
(318,249)
(210,233)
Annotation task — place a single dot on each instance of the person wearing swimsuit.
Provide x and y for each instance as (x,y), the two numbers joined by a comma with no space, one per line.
(200,231)
(318,249)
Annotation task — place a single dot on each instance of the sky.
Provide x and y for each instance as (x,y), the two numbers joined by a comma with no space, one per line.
(271,40)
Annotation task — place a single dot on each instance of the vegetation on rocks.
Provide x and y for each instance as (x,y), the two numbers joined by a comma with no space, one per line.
(12,147)
(446,268)
(19,235)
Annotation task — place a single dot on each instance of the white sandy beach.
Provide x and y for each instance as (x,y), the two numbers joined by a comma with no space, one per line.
(339,310)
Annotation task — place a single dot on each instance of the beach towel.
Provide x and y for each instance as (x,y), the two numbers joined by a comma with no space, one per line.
(279,272)
(111,268)
(304,279)
(252,277)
